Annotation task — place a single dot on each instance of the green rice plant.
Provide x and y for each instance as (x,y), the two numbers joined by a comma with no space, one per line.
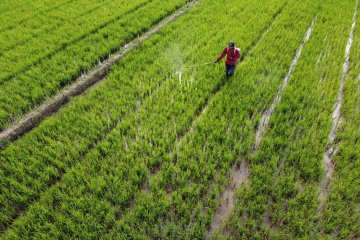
(293,146)
(67,59)
(200,165)
(41,34)
(19,11)
(146,134)
(340,217)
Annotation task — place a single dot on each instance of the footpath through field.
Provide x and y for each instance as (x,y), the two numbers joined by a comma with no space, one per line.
(331,147)
(37,157)
(64,139)
(38,40)
(240,174)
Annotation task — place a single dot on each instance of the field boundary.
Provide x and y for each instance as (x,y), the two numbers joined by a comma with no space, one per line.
(82,83)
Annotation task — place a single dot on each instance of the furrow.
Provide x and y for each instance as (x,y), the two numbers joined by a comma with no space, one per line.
(267,114)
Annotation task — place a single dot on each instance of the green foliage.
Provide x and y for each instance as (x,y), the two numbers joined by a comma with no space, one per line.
(72,44)
(124,160)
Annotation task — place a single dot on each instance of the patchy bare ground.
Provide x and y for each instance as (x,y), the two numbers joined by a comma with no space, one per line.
(36,116)
(239,176)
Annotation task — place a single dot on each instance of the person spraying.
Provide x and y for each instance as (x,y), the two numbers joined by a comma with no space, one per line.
(232,56)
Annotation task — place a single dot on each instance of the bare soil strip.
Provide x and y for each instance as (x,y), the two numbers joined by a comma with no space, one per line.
(36,116)
(241,174)
(330,151)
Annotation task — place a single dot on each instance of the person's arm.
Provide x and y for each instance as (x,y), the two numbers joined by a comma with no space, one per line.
(221,56)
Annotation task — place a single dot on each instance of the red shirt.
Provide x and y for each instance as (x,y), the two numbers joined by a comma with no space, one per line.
(232,56)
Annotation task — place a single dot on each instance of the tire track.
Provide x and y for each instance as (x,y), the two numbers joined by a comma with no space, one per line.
(241,174)
(36,116)
(331,149)
(265,118)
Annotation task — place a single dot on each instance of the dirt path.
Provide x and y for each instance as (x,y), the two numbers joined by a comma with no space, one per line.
(330,151)
(36,116)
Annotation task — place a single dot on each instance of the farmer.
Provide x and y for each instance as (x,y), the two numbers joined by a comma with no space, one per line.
(233,55)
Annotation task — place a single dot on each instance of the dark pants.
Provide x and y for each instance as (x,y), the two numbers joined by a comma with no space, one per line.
(229,69)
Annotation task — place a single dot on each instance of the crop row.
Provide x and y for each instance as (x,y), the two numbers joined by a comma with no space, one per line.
(64,64)
(40,35)
(48,41)
(67,137)
(119,164)
(340,217)
(17,12)
(287,170)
